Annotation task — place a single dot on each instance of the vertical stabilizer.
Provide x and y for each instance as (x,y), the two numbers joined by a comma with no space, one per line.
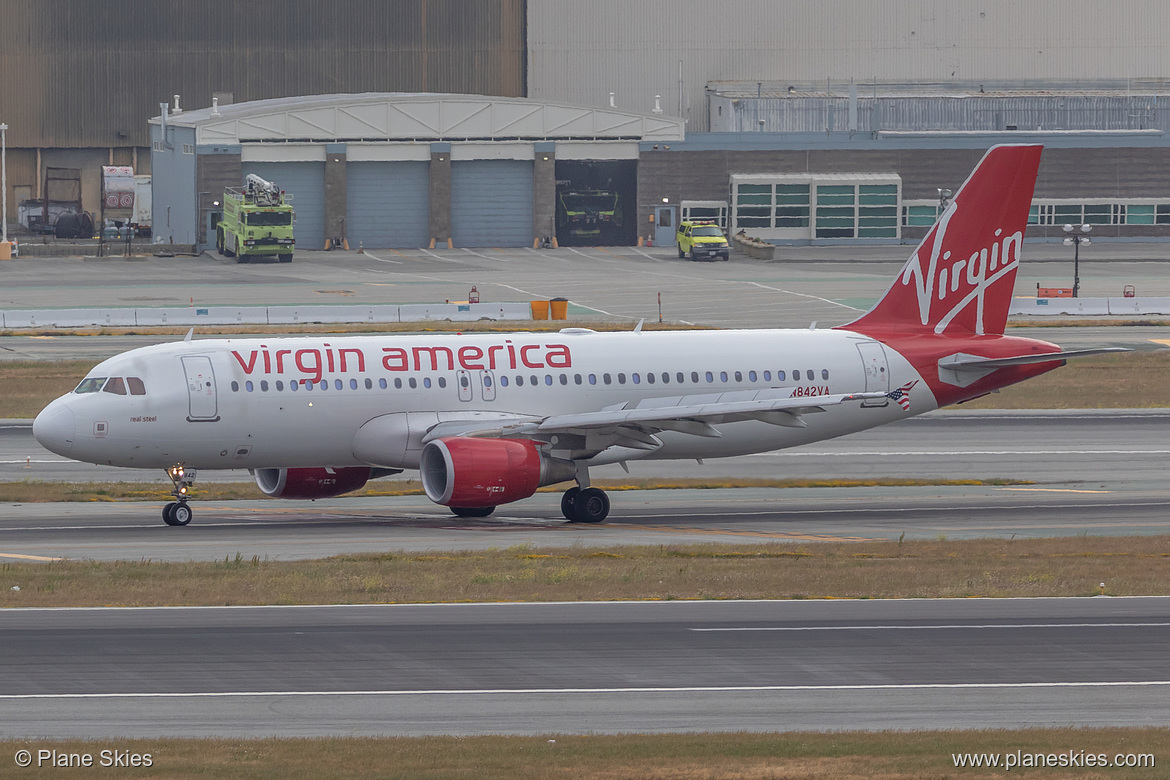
(961,277)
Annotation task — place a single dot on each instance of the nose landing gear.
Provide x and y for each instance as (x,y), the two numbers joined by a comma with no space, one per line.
(177,512)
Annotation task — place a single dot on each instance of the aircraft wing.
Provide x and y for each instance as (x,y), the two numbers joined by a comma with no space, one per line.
(961,362)
(634,425)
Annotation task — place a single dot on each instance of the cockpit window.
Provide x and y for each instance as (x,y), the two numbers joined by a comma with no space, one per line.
(91,384)
(136,386)
(115,385)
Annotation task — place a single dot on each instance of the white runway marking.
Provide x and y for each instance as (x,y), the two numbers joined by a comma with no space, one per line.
(933,628)
(562,691)
(382,259)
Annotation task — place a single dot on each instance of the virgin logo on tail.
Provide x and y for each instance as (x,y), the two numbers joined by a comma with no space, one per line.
(965,279)
(960,279)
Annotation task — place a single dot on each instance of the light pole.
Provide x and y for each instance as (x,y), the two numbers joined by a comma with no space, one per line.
(1074,239)
(4,177)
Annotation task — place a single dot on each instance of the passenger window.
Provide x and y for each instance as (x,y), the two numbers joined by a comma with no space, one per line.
(593,379)
(249,386)
(463,381)
(811,376)
(370,383)
(338,385)
(565,379)
(382,383)
(503,381)
(825,374)
(779,376)
(548,379)
(680,378)
(723,376)
(293,385)
(621,379)
(427,382)
(577,379)
(135,385)
(605,378)
(397,383)
(694,377)
(751,376)
(279,385)
(532,380)
(91,385)
(710,377)
(519,381)
(738,376)
(649,378)
(796,375)
(666,378)
(767,376)
(308,384)
(636,378)
(353,384)
(263,386)
(115,385)
(443,381)
(413,383)
(324,384)
(235,385)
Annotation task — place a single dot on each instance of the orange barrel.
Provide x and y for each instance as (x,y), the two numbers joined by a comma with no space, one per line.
(540,310)
(558,309)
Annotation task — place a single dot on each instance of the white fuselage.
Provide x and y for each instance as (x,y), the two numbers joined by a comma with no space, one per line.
(299,402)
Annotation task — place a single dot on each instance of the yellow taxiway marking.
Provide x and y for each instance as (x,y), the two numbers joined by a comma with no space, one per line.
(1164,342)
(29,557)
(1053,490)
(754,534)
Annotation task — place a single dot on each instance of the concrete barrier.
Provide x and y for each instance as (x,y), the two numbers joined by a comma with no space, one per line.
(1088,306)
(260,315)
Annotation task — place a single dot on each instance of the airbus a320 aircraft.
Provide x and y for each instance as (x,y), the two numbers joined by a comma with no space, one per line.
(487,419)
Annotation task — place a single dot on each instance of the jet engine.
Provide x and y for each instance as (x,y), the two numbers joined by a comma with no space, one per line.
(314,482)
(470,472)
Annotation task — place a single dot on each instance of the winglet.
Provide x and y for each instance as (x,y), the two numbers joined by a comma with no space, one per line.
(190,333)
(638,327)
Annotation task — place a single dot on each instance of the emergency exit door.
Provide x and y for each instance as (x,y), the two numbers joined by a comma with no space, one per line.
(877,372)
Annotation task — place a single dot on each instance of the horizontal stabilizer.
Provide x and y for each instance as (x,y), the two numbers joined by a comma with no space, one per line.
(975,363)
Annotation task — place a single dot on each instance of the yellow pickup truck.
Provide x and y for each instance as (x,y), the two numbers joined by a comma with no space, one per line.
(701,240)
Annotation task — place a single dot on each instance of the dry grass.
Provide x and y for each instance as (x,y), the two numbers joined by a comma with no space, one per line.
(355,328)
(1133,380)
(921,569)
(924,755)
(1126,381)
(36,491)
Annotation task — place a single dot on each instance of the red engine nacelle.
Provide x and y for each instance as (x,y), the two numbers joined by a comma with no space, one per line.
(466,472)
(311,483)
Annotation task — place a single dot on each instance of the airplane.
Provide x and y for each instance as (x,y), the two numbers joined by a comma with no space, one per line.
(488,418)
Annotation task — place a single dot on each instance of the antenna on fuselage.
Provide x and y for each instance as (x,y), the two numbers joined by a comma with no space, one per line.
(638,327)
(190,333)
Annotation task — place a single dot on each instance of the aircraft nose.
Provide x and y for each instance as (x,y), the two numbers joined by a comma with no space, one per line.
(56,428)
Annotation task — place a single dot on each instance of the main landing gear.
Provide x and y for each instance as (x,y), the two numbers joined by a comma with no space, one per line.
(177,512)
(585,504)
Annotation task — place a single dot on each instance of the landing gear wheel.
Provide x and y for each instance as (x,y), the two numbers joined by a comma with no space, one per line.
(567,501)
(177,513)
(472,511)
(591,505)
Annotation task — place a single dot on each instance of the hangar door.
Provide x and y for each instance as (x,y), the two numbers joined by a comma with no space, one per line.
(491,202)
(305,181)
(388,204)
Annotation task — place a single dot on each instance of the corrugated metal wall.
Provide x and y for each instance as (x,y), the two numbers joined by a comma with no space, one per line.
(83,73)
(580,50)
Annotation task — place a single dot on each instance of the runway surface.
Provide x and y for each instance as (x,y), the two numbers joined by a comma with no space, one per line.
(1094,472)
(584,668)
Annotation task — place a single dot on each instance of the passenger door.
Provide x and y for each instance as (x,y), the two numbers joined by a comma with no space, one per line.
(202,401)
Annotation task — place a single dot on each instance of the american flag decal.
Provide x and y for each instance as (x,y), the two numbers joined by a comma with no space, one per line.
(902,395)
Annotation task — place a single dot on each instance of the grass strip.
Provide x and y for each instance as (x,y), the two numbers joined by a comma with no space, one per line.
(1067,566)
(919,755)
(38,491)
(1126,381)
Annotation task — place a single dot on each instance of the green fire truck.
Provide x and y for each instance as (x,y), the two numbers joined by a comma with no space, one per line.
(589,216)
(257,221)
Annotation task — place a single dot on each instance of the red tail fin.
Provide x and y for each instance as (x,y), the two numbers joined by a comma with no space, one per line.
(960,279)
